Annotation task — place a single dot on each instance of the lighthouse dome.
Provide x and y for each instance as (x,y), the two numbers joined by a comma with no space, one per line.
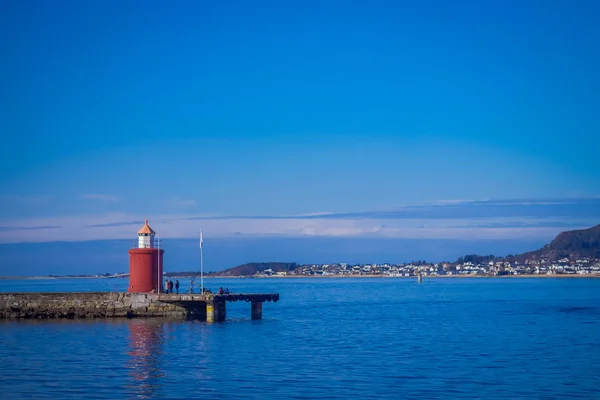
(146,229)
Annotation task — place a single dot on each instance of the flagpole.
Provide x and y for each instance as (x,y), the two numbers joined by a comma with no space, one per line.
(158,264)
(201,265)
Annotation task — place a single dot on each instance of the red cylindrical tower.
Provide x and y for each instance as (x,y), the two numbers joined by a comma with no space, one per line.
(145,264)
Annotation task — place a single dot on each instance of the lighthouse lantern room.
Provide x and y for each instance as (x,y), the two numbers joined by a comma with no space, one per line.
(146,236)
(145,263)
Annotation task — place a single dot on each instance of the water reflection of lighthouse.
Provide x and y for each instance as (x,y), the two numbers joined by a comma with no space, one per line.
(145,343)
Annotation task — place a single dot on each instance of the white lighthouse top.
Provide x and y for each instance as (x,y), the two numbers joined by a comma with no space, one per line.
(146,236)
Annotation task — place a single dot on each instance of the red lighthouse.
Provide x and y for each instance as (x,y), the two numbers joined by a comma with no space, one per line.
(145,263)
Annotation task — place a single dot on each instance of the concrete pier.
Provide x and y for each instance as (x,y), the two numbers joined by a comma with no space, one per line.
(209,307)
(86,305)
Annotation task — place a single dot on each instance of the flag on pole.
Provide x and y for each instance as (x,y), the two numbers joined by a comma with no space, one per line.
(201,241)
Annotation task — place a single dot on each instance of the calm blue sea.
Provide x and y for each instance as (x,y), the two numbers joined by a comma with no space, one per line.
(325,338)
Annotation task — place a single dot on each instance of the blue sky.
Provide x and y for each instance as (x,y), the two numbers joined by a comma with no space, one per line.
(115,111)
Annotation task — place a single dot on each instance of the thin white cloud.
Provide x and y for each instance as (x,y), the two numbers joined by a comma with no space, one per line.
(183,202)
(123,226)
(101,197)
(541,223)
(314,214)
(527,202)
(453,202)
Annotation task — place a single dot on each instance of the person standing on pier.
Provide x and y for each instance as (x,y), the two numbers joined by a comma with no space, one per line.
(166,285)
(177,286)
(170,287)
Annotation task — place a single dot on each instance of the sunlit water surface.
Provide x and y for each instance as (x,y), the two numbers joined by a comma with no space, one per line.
(325,338)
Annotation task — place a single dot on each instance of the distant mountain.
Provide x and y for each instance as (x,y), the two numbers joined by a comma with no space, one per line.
(570,244)
(250,269)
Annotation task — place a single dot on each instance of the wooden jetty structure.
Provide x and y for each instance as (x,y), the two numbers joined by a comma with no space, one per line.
(212,307)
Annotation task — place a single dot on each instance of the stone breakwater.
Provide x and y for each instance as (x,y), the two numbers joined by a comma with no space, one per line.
(90,305)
